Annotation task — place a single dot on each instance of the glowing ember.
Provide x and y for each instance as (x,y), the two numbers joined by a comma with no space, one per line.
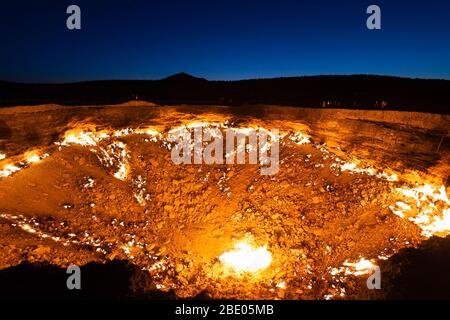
(363,266)
(245,258)
(8,170)
(33,159)
(426,213)
(300,138)
(120,149)
(403,205)
(353,167)
(148,131)
(122,173)
(2,156)
(281,285)
(438,226)
(81,138)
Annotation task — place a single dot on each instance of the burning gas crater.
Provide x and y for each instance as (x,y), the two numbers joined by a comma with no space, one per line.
(422,203)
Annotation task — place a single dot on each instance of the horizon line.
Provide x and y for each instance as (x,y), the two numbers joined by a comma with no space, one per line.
(232,80)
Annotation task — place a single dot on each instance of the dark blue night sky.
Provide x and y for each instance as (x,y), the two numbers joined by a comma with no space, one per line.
(221,39)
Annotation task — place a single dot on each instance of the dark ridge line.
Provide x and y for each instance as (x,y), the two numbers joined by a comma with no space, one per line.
(367,92)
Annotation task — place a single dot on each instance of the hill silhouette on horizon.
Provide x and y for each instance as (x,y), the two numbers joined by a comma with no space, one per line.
(336,91)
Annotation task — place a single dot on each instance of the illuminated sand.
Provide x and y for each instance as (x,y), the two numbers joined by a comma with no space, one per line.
(100,185)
